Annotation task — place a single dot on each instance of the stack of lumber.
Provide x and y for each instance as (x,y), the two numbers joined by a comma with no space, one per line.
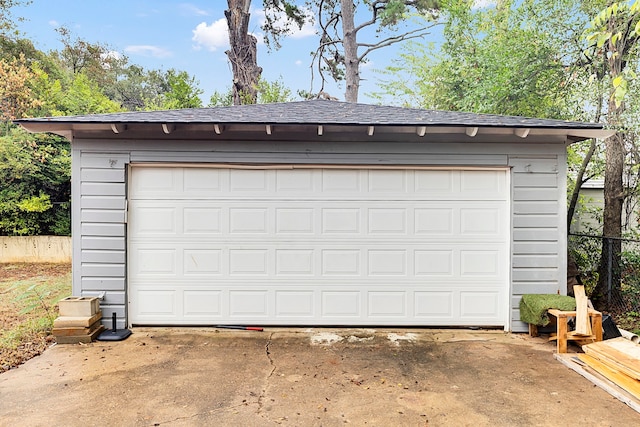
(613,365)
(618,360)
(79,320)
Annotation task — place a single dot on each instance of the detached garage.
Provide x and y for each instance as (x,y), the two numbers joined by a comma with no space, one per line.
(317,213)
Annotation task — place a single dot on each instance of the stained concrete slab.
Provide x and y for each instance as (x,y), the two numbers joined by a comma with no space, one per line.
(306,377)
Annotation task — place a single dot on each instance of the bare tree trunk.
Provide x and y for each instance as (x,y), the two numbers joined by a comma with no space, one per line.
(351,61)
(243,53)
(608,287)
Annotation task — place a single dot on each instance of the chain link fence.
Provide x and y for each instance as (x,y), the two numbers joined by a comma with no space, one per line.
(619,292)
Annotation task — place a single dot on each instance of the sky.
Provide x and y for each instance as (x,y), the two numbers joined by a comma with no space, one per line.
(185,35)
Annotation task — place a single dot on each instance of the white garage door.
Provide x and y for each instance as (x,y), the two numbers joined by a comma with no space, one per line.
(328,246)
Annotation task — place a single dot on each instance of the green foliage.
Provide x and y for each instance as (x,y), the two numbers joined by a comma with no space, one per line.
(36,297)
(275,91)
(183,91)
(84,96)
(502,60)
(35,170)
(268,92)
(275,27)
(614,33)
(221,99)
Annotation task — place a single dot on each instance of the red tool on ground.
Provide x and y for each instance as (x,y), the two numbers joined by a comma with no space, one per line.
(243,328)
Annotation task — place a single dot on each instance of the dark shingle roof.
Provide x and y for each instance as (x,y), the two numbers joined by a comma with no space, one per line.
(320,112)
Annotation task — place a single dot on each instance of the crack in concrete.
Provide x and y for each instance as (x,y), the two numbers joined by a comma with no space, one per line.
(268,378)
(198,414)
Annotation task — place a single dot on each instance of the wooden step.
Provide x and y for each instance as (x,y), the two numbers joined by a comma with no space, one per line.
(76,322)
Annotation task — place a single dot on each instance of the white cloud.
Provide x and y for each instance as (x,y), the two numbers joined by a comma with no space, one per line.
(212,36)
(54,23)
(298,62)
(191,9)
(112,54)
(307,30)
(148,50)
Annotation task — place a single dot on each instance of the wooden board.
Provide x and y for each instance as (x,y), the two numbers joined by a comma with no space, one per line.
(76,339)
(597,379)
(618,353)
(623,381)
(583,323)
(65,332)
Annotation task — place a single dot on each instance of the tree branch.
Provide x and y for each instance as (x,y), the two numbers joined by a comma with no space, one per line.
(415,34)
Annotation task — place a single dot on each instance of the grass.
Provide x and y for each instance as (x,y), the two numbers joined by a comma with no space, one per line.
(28,307)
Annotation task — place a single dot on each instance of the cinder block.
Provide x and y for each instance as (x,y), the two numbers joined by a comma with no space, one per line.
(79,306)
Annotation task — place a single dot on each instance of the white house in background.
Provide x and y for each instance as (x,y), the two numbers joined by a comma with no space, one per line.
(317,213)
(588,216)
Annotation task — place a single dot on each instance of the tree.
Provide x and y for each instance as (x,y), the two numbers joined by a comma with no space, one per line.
(35,171)
(243,53)
(268,92)
(7,23)
(615,34)
(183,91)
(15,93)
(503,60)
(341,50)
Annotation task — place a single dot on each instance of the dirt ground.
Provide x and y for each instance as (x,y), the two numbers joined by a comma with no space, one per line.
(33,344)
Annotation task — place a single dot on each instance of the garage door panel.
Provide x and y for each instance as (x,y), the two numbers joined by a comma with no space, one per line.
(341,220)
(295,220)
(202,262)
(344,304)
(294,262)
(387,181)
(295,304)
(155,220)
(202,220)
(248,220)
(434,220)
(434,262)
(481,221)
(434,306)
(201,180)
(479,305)
(318,247)
(385,304)
(387,221)
(247,303)
(385,262)
(156,303)
(252,181)
(248,262)
(296,181)
(151,262)
(202,304)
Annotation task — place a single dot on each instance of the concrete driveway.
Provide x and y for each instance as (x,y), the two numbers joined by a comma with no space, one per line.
(306,377)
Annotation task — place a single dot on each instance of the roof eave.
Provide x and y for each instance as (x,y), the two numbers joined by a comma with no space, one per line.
(67,129)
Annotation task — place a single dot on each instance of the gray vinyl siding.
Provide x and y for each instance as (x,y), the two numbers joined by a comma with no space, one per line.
(538,186)
(538,262)
(101,266)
